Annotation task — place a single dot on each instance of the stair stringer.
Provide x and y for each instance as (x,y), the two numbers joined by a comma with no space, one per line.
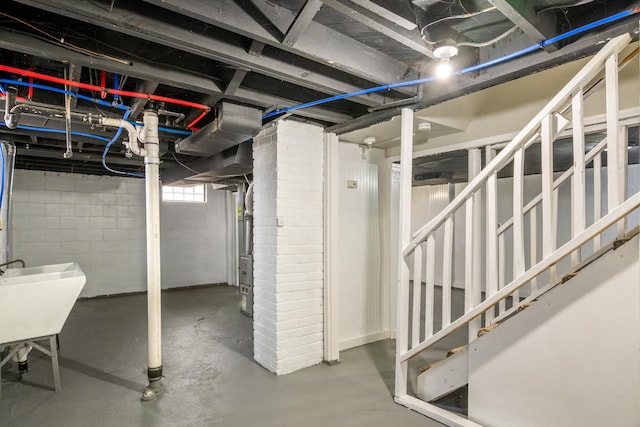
(570,359)
(444,376)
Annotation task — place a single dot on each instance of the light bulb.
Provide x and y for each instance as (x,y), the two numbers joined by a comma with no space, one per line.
(444,70)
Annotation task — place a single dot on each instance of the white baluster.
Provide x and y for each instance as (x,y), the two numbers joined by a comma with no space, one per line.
(417,291)
(578,204)
(430,286)
(518,219)
(447,271)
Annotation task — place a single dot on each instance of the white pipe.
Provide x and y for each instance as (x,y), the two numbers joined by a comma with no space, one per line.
(22,353)
(132,144)
(152,173)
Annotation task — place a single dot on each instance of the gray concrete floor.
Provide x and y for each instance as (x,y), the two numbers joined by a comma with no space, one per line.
(210,376)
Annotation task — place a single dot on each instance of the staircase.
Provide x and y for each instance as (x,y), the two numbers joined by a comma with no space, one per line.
(525,274)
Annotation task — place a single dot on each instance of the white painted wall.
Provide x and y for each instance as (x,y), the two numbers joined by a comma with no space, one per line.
(288,246)
(363,246)
(99,222)
(571,359)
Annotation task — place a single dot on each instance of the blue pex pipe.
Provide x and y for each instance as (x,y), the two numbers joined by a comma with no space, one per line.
(477,67)
(109,144)
(64,92)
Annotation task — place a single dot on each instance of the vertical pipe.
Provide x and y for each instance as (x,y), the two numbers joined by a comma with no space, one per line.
(8,168)
(152,173)
(67,117)
(406,159)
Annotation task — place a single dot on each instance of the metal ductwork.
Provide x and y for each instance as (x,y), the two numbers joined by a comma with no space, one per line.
(234,124)
(232,162)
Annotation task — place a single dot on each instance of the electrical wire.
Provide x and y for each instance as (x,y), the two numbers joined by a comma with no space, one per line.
(447,18)
(489,42)
(462,16)
(565,6)
(65,43)
(467,70)
(182,164)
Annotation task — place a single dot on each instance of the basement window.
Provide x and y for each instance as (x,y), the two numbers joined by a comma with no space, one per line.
(187,194)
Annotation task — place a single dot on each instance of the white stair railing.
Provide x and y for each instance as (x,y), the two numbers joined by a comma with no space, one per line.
(531,236)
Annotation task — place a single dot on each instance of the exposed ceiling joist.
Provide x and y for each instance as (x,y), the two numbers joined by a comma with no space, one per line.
(302,21)
(318,43)
(256,48)
(536,26)
(154,30)
(266,100)
(386,13)
(34,46)
(235,82)
(469,83)
(411,39)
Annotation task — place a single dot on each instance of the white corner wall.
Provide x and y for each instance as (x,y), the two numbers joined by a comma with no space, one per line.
(363,246)
(99,222)
(288,246)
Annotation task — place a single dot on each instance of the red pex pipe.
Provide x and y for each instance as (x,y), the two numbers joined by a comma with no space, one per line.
(107,90)
(103,83)
(30,96)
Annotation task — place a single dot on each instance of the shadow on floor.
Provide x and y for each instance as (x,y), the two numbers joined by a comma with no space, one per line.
(97,374)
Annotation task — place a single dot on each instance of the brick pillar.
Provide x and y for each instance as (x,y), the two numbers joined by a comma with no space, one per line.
(288,246)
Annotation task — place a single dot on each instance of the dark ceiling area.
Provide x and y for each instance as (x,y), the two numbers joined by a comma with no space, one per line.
(267,55)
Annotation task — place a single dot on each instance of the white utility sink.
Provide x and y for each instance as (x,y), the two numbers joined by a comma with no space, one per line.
(36,301)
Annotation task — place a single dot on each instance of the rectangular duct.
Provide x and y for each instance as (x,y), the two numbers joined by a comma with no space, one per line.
(234,124)
(232,162)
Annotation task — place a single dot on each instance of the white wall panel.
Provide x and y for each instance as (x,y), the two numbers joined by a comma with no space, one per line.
(363,290)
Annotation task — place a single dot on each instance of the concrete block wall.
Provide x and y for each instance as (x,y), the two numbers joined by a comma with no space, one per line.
(99,222)
(288,246)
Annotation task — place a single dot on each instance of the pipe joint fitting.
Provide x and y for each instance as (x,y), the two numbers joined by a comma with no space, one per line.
(11,118)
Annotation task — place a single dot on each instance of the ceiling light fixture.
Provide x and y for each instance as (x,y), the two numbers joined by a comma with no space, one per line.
(444,53)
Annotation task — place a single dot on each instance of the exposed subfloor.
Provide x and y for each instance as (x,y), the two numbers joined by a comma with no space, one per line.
(210,376)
